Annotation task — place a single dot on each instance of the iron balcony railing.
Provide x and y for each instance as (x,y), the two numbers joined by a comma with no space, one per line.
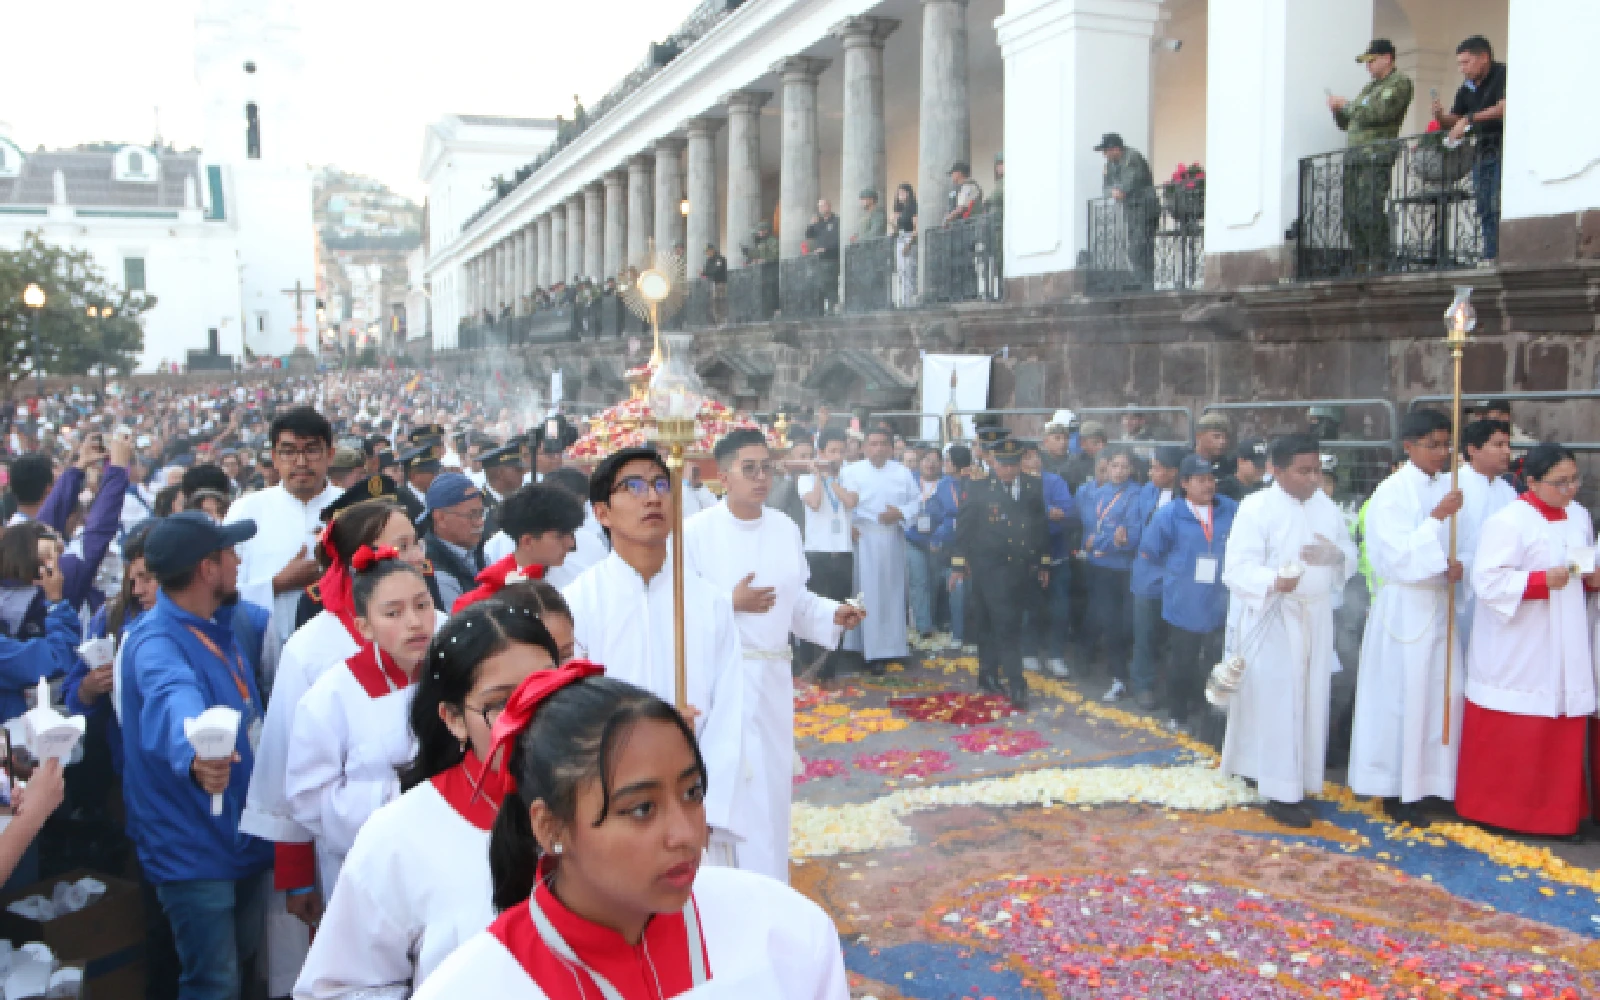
(869,275)
(808,286)
(1150,241)
(1402,205)
(753,292)
(963,260)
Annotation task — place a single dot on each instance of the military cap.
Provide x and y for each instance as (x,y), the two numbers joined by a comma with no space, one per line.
(1214,421)
(989,437)
(1111,140)
(1379,47)
(379,487)
(1092,429)
(425,432)
(868,192)
(1008,452)
(387,460)
(424,457)
(345,459)
(507,454)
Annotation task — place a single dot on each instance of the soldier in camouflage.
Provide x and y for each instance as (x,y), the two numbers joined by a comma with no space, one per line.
(1370,120)
(1128,181)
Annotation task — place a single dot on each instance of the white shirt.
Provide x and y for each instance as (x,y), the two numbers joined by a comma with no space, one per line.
(878,489)
(284,526)
(827,528)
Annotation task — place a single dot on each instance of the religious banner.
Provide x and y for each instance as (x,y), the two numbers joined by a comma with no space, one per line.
(953,382)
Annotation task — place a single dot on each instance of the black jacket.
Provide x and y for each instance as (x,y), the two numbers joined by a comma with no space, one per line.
(995,532)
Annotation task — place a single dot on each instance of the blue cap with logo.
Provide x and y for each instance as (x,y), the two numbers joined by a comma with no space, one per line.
(178,542)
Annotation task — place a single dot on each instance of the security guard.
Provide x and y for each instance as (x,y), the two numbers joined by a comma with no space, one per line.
(1002,540)
(503,474)
(421,464)
(1370,121)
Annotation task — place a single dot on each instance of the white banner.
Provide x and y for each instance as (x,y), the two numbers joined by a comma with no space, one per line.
(963,376)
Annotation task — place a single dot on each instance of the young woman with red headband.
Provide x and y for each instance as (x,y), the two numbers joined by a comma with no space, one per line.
(325,641)
(416,883)
(596,861)
(350,735)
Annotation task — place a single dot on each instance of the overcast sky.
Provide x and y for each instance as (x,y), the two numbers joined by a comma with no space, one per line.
(90,70)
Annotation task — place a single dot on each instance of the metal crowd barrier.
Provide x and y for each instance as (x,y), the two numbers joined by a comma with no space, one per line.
(1520,397)
(1363,462)
(753,292)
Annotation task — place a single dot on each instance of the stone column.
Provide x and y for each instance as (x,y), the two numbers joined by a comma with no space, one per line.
(669,193)
(641,214)
(469,290)
(863,159)
(559,271)
(945,132)
(575,236)
(545,244)
(800,171)
(744,168)
(530,269)
(702,226)
(495,277)
(616,257)
(594,224)
(519,276)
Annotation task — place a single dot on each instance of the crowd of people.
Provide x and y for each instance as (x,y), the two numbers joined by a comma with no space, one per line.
(462,754)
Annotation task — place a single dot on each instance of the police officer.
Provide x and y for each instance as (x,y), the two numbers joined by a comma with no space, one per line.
(1369,121)
(1003,542)
(503,475)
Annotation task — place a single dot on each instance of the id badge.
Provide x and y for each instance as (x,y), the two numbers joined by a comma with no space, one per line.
(925,524)
(253,734)
(1205,570)
(838,526)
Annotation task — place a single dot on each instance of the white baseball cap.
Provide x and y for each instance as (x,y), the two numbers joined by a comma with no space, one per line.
(1064,419)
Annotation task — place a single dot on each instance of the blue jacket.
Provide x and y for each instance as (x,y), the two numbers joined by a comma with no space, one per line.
(99,528)
(922,539)
(943,507)
(1174,541)
(168,676)
(45,647)
(1104,509)
(1145,580)
(1063,533)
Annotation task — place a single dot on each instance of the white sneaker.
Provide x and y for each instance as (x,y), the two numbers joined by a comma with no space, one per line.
(1057,667)
(953,645)
(1118,689)
(1030,664)
(970,649)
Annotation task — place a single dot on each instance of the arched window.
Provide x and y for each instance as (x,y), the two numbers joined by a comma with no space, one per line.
(252,131)
(135,163)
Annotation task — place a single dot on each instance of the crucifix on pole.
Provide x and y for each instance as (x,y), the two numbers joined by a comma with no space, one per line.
(299,329)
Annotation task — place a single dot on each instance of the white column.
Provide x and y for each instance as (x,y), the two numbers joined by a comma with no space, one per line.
(594,238)
(575,236)
(863,162)
(616,223)
(497,275)
(530,273)
(800,170)
(945,131)
(669,193)
(519,265)
(744,169)
(559,271)
(702,226)
(1273,62)
(641,217)
(1542,176)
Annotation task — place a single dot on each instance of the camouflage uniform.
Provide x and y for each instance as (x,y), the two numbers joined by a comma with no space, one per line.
(1142,209)
(1372,119)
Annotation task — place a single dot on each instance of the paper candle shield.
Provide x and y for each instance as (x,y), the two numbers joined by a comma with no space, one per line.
(48,733)
(213,734)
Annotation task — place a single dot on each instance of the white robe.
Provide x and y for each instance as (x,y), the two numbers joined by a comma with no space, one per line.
(724,550)
(1530,657)
(764,941)
(413,888)
(626,625)
(284,526)
(1482,498)
(880,566)
(1278,719)
(1397,745)
(345,751)
(592,547)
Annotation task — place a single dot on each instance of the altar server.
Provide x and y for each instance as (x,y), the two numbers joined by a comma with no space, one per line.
(1530,673)
(1397,748)
(887,499)
(623,609)
(1486,446)
(350,736)
(1287,554)
(754,555)
(596,860)
(416,883)
(542,519)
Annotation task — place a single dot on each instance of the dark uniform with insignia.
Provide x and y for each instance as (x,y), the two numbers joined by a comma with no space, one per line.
(507,456)
(379,487)
(1002,541)
(425,458)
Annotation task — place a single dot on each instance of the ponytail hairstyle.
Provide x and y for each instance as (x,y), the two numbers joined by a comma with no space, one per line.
(372,567)
(571,739)
(450,670)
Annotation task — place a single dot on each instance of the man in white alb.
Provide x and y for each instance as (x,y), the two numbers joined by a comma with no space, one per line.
(280,561)
(1397,747)
(623,619)
(887,498)
(1486,446)
(1288,553)
(753,553)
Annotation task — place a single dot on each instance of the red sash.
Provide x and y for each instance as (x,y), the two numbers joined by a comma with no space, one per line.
(493,580)
(375,679)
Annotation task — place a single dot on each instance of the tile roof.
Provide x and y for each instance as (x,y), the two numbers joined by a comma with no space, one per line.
(88,174)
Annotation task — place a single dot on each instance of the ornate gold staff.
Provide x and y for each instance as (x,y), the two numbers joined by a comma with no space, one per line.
(1459,320)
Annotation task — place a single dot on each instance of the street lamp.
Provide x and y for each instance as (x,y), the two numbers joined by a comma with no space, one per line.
(103,313)
(33,298)
(683,208)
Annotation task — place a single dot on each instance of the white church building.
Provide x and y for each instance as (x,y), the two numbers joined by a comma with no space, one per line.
(222,236)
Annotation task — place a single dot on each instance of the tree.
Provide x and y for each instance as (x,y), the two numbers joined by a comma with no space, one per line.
(70,342)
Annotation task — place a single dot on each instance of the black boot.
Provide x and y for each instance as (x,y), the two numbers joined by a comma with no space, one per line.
(1290,814)
(1406,812)
(1019,695)
(989,683)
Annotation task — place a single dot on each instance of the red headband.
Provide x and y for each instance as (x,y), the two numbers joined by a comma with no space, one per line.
(529,695)
(366,556)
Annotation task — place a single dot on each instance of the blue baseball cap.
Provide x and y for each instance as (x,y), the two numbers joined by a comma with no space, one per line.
(450,489)
(178,542)
(1194,465)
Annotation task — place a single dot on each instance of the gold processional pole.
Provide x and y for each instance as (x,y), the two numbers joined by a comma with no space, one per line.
(1459,321)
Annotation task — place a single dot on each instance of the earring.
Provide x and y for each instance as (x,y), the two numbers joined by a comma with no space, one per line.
(556,849)
(463,748)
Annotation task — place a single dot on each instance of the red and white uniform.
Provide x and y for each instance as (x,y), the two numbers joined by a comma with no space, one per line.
(742,936)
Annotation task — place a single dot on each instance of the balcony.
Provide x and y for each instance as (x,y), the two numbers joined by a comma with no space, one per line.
(1146,244)
(1402,206)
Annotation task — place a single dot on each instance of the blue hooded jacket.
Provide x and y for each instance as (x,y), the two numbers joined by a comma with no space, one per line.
(1104,509)
(1175,541)
(1145,581)
(1058,496)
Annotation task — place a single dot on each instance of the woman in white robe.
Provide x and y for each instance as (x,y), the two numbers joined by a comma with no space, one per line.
(351,734)
(597,864)
(416,883)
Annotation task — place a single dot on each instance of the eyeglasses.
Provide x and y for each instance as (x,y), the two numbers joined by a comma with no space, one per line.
(466,515)
(758,470)
(490,713)
(1569,485)
(640,487)
(291,455)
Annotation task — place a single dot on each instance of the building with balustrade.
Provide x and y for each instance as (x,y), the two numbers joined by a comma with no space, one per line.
(1245,285)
